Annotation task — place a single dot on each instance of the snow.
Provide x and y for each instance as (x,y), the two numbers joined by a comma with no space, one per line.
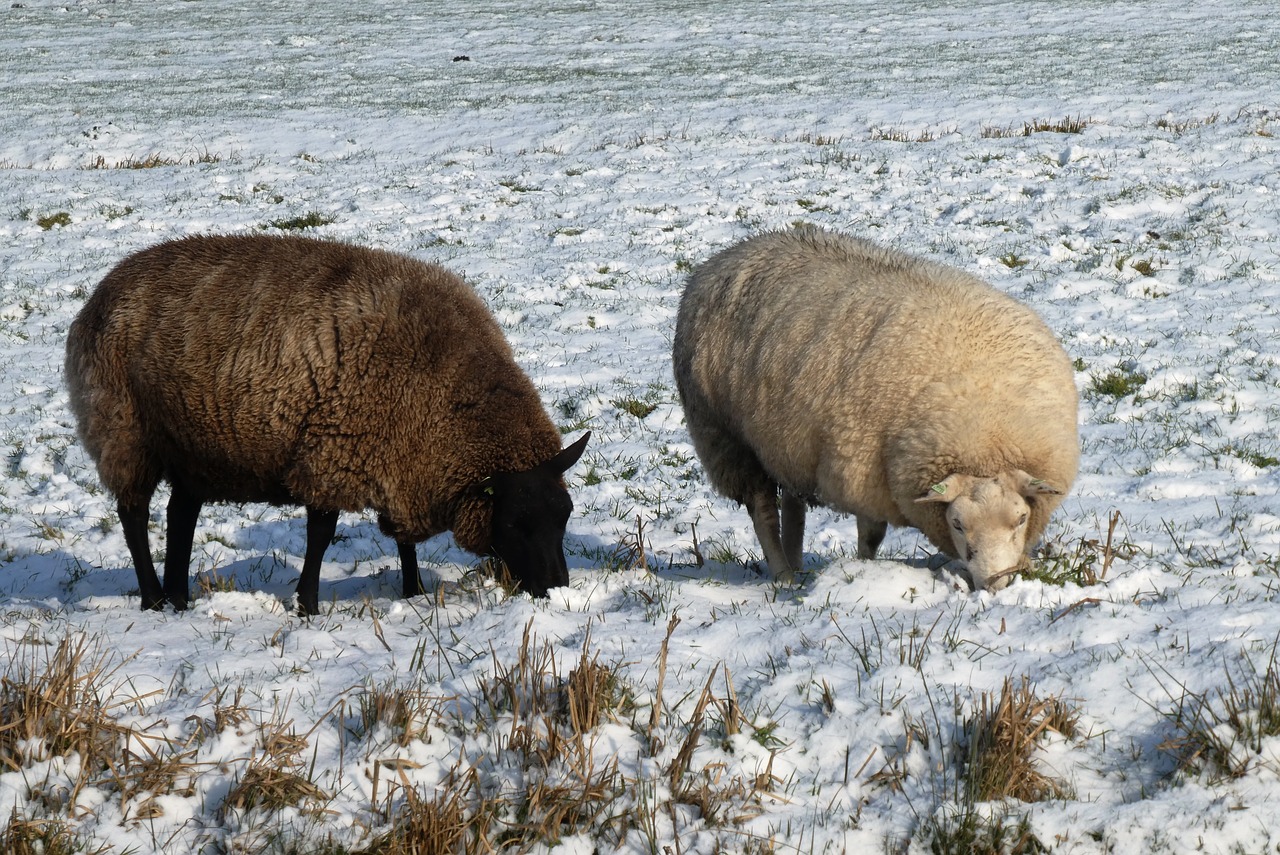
(574,167)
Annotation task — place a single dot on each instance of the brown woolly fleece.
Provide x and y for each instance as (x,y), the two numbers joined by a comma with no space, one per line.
(859,376)
(290,370)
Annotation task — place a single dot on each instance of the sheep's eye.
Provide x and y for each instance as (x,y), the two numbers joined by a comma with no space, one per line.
(956,525)
(1022,520)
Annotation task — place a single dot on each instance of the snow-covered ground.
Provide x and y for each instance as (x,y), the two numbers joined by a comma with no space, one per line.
(574,167)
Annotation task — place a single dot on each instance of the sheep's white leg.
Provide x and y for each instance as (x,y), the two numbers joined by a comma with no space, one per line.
(870,536)
(793,509)
(763,507)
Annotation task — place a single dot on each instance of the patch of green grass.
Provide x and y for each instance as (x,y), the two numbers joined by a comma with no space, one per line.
(635,406)
(1254,458)
(309,220)
(48,221)
(1013,261)
(1084,562)
(1119,383)
(515,186)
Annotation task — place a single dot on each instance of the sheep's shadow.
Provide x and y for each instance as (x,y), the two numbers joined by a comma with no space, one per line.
(601,555)
(361,563)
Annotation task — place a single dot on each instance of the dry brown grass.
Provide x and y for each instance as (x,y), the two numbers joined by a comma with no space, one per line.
(408,713)
(60,703)
(1002,738)
(27,836)
(441,824)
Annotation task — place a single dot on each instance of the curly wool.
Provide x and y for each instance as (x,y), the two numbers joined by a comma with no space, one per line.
(859,376)
(290,370)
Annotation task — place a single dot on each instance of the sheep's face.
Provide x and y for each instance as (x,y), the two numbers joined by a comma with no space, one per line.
(987,520)
(530,511)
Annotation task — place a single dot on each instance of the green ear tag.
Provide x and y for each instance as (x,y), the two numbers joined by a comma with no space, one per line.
(939,488)
(1036,482)
(488,491)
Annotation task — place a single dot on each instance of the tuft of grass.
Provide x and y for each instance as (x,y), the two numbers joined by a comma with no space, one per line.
(516,186)
(59,706)
(439,824)
(1253,458)
(1223,731)
(214,582)
(407,713)
(1035,126)
(1181,126)
(1119,383)
(630,553)
(48,221)
(267,786)
(155,160)
(899,135)
(28,836)
(635,406)
(1067,125)
(1013,261)
(593,692)
(272,780)
(115,212)
(309,220)
(967,831)
(1086,563)
(1002,737)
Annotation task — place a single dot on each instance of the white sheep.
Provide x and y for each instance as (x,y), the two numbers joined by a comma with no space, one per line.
(878,384)
(296,371)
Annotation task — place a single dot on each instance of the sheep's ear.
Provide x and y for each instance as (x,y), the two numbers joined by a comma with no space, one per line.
(568,455)
(1030,487)
(945,490)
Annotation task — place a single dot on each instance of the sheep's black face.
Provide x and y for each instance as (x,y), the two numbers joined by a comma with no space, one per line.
(530,511)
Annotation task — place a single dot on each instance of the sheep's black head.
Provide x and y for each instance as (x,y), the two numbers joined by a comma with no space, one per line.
(530,510)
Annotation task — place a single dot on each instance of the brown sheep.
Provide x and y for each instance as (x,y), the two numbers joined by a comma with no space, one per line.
(296,371)
(854,376)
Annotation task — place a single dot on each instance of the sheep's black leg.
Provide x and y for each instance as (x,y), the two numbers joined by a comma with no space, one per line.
(184,509)
(320,528)
(409,569)
(134,522)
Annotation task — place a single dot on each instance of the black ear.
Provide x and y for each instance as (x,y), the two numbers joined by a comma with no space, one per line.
(568,455)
